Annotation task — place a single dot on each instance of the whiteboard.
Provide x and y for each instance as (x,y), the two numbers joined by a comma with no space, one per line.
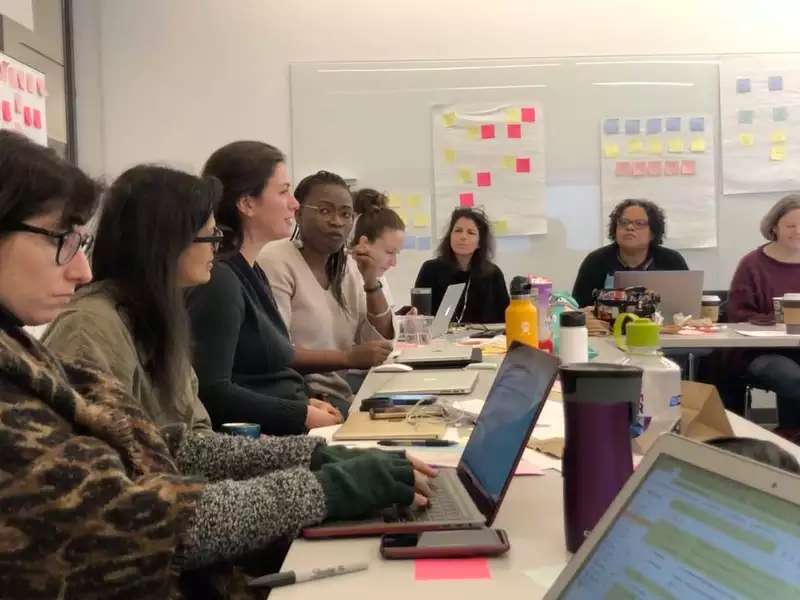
(371,121)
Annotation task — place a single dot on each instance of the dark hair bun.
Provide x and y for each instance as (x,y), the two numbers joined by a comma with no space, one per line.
(369,201)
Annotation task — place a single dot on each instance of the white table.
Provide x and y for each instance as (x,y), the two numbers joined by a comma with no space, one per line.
(728,338)
(532,514)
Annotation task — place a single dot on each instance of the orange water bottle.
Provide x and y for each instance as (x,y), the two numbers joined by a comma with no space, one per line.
(522,324)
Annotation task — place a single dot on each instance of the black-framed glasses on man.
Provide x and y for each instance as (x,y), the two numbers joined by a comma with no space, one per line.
(215,239)
(69,242)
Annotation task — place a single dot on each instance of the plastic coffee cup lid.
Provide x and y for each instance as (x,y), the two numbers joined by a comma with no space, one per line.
(794,297)
(711,299)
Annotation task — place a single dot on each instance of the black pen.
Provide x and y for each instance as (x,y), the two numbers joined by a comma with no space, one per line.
(274,580)
(436,443)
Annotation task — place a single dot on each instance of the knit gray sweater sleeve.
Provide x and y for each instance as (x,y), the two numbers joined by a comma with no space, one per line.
(217,456)
(235,517)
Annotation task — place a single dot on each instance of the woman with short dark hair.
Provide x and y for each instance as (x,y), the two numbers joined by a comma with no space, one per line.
(465,255)
(636,229)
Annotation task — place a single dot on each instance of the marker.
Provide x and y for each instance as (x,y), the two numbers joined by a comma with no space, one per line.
(436,443)
(274,580)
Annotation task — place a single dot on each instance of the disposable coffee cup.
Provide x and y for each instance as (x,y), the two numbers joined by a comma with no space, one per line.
(709,308)
(251,430)
(421,300)
(791,312)
(777,307)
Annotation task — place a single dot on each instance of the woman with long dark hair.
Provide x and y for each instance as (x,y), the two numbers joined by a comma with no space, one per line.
(465,256)
(333,304)
(242,353)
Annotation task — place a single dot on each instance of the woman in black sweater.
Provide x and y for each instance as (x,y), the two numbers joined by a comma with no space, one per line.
(465,255)
(242,351)
(636,229)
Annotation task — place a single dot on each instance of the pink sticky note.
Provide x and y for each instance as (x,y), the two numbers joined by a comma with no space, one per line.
(37,118)
(623,169)
(487,132)
(17,103)
(6,111)
(654,168)
(484,179)
(12,76)
(21,80)
(523,165)
(687,167)
(3,71)
(528,114)
(428,569)
(672,167)
(30,82)
(41,87)
(639,168)
(466,200)
(27,116)
(514,130)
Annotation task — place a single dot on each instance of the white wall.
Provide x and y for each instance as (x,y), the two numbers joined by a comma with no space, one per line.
(171,80)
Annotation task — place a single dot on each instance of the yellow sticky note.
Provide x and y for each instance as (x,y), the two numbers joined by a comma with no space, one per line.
(655,147)
(675,145)
(778,137)
(449,119)
(635,146)
(450,155)
(421,220)
(698,145)
(611,150)
(777,153)
(500,227)
(402,214)
(513,115)
(395,201)
(465,175)
(414,201)
(509,161)
(747,139)
(474,132)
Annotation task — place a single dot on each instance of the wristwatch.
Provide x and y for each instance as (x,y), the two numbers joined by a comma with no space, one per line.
(378,286)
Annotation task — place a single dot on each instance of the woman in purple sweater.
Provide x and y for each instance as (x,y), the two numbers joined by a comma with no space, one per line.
(765,273)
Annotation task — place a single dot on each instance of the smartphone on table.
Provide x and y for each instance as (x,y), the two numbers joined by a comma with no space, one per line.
(389,400)
(450,543)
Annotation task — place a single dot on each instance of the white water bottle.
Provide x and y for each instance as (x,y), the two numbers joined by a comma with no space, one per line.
(573,340)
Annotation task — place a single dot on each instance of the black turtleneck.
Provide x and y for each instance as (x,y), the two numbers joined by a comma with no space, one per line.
(8,321)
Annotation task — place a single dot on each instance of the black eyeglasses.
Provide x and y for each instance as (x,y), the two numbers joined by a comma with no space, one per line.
(215,240)
(69,242)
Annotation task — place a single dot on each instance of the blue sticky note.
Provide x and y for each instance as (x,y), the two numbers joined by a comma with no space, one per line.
(697,124)
(611,126)
(632,127)
(745,117)
(742,85)
(775,83)
(673,123)
(410,243)
(423,243)
(654,126)
(780,113)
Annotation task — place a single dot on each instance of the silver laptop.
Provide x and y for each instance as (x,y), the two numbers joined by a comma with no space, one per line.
(680,291)
(446,309)
(452,381)
(470,495)
(692,522)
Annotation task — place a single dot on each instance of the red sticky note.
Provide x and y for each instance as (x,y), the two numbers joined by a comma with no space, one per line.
(639,168)
(514,130)
(17,103)
(466,200)
(484,179)
(623,169)
(487,132)
(6,111)
(428,569)
(654,168)
(672,167)
(687,167)
(27,116)
(37,118)
(523,165)
(528,114)
(30,82)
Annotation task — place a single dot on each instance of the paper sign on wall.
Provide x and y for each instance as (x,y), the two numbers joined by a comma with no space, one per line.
(23,96)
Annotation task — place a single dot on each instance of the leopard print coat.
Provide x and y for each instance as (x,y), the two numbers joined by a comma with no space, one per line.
(91,502)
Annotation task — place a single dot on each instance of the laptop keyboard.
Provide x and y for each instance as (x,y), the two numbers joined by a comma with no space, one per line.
(442,506)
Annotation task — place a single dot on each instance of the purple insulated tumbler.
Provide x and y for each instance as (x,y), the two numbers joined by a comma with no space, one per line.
(599,403)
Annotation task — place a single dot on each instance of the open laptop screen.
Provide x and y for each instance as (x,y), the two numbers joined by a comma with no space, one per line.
(689,533)
(509,413)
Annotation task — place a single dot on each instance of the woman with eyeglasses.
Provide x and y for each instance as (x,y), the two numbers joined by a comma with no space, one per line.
(465,256)
(636,229)
(98,500)
(332,302)
(242,352)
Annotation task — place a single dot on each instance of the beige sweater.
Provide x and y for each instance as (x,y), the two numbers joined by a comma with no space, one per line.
(313,317)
